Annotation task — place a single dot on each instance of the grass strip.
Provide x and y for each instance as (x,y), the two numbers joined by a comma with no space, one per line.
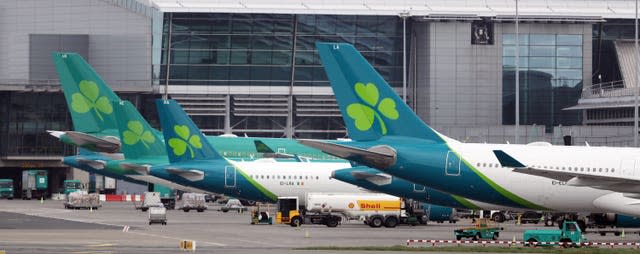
(493,249)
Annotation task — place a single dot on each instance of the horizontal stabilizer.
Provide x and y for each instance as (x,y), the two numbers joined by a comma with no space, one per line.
(138,168)
(189,174)
(57,134)
(377,179)
(99,144)
(381,157)
(507,161)
(97,164)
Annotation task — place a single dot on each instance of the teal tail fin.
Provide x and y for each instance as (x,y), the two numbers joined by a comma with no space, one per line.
(184,141)
(370,107)
(88,97)
(137,137)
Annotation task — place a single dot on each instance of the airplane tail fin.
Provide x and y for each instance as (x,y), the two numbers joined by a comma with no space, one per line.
(88,96)
(136,135)
(184,141)
(370,107)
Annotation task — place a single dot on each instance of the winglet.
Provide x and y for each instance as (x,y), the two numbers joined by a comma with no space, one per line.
(261,147)
(507,161)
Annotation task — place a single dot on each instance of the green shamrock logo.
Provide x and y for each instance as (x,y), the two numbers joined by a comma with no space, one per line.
(364,114)
(88,99)
(136,133)
(184,141)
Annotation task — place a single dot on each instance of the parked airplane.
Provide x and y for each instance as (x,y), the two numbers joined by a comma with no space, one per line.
(378,181)
(89,100)
(389,136)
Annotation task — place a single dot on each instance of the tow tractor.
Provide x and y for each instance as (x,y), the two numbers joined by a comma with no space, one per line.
(483,229)
(259,216)
(569,235)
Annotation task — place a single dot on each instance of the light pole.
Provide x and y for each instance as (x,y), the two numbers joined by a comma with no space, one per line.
(404,16)
(635,85)
(517,127)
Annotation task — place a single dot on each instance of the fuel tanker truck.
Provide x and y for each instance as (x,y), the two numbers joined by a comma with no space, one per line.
(374,209)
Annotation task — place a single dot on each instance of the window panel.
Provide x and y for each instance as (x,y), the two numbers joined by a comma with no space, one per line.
(574,39)
(542,51)
(569,62)
(542,62)
(542,39)
(574,51)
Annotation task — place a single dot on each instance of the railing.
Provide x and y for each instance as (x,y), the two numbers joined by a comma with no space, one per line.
(606,90)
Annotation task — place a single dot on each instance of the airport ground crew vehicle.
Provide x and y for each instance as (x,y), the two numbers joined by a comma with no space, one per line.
(82,200)
(193,201)
(329,209)
(158,214)
(261,216)
(6,188)
(569,235)
(35,183)
(483,229)
(72,186)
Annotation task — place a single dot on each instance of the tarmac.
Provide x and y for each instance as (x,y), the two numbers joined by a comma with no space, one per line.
(27,226)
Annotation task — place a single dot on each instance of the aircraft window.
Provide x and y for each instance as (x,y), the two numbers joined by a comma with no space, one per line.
(600,169)
(267,177)
(289,177)
(478,164)
(497,166)
(613,170)
(581,169)
(484,164)
(317,178)
(563,168)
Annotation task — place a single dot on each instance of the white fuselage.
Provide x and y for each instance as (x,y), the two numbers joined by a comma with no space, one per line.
(287,179)
(554,194)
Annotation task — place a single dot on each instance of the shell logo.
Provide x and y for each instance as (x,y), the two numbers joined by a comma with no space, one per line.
(351,205)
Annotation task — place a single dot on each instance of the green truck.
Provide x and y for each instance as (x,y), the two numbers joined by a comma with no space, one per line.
(6,188)
(35,183)
(569,235)
(72,186)
(482,230)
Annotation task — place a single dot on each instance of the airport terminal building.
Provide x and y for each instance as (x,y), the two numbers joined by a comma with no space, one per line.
(250,67)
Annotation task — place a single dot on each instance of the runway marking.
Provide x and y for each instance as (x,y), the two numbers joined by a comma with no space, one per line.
(101,245)
(258,242)
(174,238)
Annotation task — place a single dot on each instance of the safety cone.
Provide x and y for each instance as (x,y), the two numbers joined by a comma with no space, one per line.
(519,217)
(306,234)
(513,241)
(622,234)
(91,209)
(41,200)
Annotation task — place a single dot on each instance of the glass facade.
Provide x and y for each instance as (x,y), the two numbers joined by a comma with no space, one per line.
(550,78)
(258,49)
(25,117)
(605,60)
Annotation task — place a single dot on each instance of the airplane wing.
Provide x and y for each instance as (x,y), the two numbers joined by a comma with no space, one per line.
(97,164)
(377,156)
(100,144)
(377,179)
(138,168)
(189,174)
(573,178)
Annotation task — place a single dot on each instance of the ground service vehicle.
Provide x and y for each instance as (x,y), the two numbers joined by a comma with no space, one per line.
(259,216)
(167,195)
(72,186)
(158,214)
(375,209)
(233,205)
(570,234)
(483,230)
(193,201)
(6,188)
(82,200)
(151,199)
(34,184)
